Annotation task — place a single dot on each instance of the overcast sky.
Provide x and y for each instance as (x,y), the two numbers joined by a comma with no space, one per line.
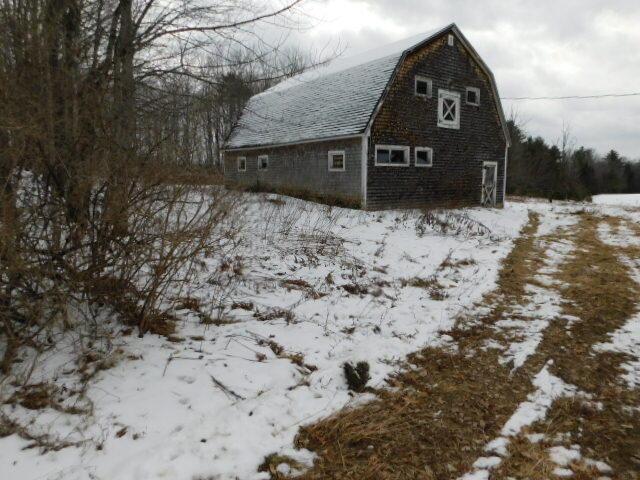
(534,47)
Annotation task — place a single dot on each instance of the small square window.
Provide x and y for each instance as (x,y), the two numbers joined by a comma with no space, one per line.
(424,157)
(473,96)
(423,87)
(387,155)
(336,161)
(263,162)
(242,164)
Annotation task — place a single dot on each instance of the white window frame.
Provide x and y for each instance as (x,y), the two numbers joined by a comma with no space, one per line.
(442,122)
(424,149)
(330,156)
(240,160)
(407,155)
(450,40)
(421,78)
(260,157)
(466,96)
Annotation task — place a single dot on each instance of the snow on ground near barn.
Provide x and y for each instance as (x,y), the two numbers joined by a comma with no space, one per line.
(631,200)
(316,287)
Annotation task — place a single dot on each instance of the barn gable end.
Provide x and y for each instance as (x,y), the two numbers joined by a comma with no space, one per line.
(407,119)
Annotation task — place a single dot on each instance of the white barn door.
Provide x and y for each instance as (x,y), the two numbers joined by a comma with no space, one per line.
(489,183)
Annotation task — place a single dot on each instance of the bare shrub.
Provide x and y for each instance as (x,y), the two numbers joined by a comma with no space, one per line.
(103,116)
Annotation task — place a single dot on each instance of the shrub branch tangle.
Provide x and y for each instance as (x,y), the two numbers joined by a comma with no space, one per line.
(99,100)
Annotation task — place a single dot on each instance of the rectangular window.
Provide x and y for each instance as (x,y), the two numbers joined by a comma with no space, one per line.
(263,162)
(450,40)
(392,156)
(336,161)
(448,109)
(424,157)
(423,87)
(242,164)
(473,96)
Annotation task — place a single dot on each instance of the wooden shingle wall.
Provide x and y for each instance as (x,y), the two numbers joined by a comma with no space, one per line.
(404,119)
(301,168)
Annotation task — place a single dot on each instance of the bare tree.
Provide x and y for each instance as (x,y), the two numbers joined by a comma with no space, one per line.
(99,99)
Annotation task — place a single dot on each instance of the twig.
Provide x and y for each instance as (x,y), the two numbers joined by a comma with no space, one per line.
(225,389)
(172,358)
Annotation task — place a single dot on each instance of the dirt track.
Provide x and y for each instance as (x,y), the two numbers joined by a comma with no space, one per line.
(451,412)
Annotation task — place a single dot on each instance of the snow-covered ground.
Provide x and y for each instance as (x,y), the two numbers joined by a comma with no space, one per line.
(313,287)
(317,287)
(631,200)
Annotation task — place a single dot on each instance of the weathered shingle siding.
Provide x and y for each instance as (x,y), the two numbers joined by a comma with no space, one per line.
(404,119)
(303,168)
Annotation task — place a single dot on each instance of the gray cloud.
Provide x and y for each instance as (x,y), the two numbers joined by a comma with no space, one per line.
(541,48)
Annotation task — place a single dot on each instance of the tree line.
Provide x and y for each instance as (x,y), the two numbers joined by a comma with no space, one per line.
(563,172)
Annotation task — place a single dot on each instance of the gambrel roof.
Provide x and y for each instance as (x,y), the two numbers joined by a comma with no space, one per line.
(336,100)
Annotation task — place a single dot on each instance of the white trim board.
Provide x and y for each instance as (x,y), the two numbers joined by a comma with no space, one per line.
(405,148)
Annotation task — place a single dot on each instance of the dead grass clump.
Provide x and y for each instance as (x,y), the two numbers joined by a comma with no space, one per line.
(188,303)
(162,323)
(431,285)
(296,284)
(91,362)
(34,397)
(39,396)
(526,460)
(208,320)
(456,264)
(357,376)
(273,461)
(242,306)
(45,442)
(295,358)
(355,289)
(274,314)
(304,286)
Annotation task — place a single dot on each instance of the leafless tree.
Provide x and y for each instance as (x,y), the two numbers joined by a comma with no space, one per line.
(99,100)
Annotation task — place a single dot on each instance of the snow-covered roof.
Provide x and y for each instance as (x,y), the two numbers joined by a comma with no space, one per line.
(334,100)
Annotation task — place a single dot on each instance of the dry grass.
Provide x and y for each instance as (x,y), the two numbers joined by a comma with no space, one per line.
(431,285)
(447,405)
(516,272)
(531,461)
(447,408)
(303,286)
(526,460)
(600,291)
(444,408)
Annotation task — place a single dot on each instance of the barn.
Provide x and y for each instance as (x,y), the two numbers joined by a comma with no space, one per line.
(415,124)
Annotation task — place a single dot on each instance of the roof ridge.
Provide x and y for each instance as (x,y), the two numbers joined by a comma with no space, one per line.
(338,65)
